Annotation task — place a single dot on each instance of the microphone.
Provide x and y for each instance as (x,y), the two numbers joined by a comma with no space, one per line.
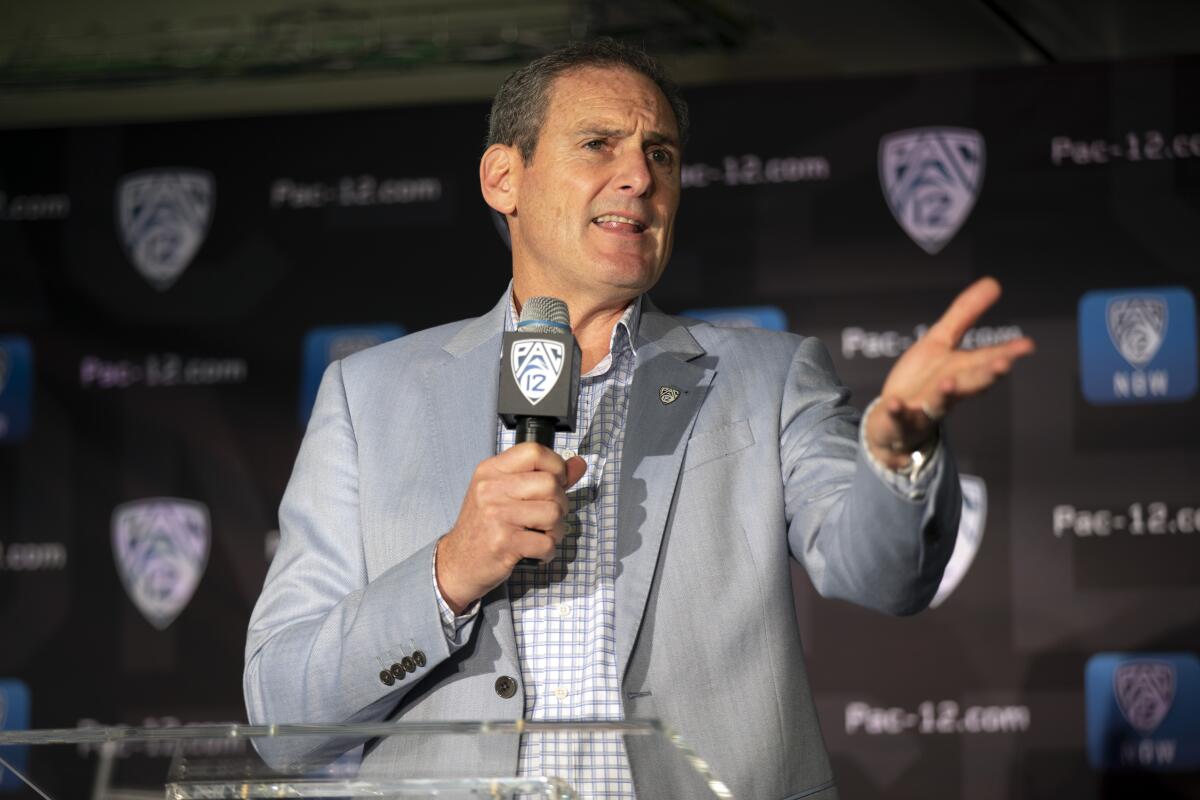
(539,372)
(539,375)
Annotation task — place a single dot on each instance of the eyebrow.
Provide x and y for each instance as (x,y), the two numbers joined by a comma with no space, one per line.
(652,137)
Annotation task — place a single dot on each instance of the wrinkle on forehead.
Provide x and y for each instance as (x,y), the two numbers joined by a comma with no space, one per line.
(595,98)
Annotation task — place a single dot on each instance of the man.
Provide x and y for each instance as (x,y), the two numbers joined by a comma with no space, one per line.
(703,457)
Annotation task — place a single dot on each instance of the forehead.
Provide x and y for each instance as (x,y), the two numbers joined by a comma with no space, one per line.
(593,94)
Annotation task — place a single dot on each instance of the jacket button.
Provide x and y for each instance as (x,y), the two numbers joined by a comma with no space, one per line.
(408,664)
(398,672)
(506,687)
(419,657)
(386,677)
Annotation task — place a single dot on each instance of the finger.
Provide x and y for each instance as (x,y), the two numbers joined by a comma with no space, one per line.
(529,457)
(534,486)
(965,311)
(576,467)
(536,515)
(529,544)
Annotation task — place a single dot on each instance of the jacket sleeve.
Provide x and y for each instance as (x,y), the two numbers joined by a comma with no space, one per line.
(321,632)
(859,538)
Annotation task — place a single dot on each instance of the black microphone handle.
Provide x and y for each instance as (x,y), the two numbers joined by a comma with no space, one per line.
(536,429)
(540,430)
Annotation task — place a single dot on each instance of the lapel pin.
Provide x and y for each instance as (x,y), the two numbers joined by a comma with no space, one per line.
(668,394)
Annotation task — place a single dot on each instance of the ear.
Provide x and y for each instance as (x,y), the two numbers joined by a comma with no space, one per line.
(499,173)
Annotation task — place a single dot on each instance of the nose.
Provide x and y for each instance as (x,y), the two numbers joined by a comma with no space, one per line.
(633,175)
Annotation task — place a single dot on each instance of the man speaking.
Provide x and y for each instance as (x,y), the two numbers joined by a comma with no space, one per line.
(431,569)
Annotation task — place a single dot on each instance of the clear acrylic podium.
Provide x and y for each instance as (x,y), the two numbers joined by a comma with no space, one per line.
(207,762)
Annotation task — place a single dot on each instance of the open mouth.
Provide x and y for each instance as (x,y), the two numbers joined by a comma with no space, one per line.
(619,224)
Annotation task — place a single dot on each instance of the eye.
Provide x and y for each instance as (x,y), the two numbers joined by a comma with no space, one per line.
(662,156)
(594,144)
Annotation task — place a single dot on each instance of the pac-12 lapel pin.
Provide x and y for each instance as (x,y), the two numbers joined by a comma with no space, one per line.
(668,394)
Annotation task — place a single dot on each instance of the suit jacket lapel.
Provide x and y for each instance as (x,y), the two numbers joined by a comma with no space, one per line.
(465,385)
(656,436)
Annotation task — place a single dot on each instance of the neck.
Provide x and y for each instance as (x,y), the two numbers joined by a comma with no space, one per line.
(592,322)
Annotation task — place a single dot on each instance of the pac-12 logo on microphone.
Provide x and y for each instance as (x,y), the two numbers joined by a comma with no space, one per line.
(163,217)
(931,178)
(536,366)
(161,548)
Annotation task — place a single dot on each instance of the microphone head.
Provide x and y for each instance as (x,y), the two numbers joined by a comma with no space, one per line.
(544,315)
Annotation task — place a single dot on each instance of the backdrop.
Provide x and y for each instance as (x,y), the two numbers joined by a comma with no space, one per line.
(170,293)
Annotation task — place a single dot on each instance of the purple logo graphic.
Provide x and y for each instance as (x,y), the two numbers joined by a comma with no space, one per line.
(163,217)
(1144,692)
(161,548)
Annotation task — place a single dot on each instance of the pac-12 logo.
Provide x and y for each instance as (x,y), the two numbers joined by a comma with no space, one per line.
(1143,711)
(536,366)
(14,716)
(162,218)
(161,548)
(931,178)
(1137,345)
(323,346)
(16,388)
(769,318)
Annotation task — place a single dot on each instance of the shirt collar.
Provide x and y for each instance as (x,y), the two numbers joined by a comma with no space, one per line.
(624,333)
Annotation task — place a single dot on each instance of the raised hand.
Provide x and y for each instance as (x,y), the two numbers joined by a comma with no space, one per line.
(933,375)
(513,509)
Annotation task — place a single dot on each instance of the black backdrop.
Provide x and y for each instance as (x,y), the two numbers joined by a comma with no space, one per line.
(177,373)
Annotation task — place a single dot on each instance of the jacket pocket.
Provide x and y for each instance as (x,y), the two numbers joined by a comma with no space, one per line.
(717,443)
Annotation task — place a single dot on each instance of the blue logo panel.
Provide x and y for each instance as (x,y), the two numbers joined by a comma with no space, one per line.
(16,388)
(769,318)
(14,716)
(1137,345)
(1143,711)
(323,346)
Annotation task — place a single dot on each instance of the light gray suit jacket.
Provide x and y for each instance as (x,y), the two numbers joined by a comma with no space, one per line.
(757,459)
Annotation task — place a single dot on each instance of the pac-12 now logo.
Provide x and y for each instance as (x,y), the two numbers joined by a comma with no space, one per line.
(1143,711)
(162,218)
(931,178)
(1137,345)
(769,318)
(16,388)
(14,716)
(161,548)
(323,346)
(536,366)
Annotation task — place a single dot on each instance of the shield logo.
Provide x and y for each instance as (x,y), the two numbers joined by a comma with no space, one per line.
(162,218)
(3,369)
(930,179)
(1145,691)
(970,535)
(536,366)
(1137,326)
(161,548)
(668,394)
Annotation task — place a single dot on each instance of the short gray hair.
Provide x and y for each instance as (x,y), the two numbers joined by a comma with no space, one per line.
(519,108)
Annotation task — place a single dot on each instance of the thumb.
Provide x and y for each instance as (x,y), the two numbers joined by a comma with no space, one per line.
(576,466)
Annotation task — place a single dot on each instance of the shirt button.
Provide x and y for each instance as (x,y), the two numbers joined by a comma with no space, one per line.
(561,693)
(564,609)
(568,454)
(506,687)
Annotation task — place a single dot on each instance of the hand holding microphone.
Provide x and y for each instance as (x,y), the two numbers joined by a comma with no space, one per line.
(515,507)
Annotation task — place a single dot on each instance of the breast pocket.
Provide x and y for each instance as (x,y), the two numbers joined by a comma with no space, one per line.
(717,443)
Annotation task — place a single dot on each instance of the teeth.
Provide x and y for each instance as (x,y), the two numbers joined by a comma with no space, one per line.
(617,218)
